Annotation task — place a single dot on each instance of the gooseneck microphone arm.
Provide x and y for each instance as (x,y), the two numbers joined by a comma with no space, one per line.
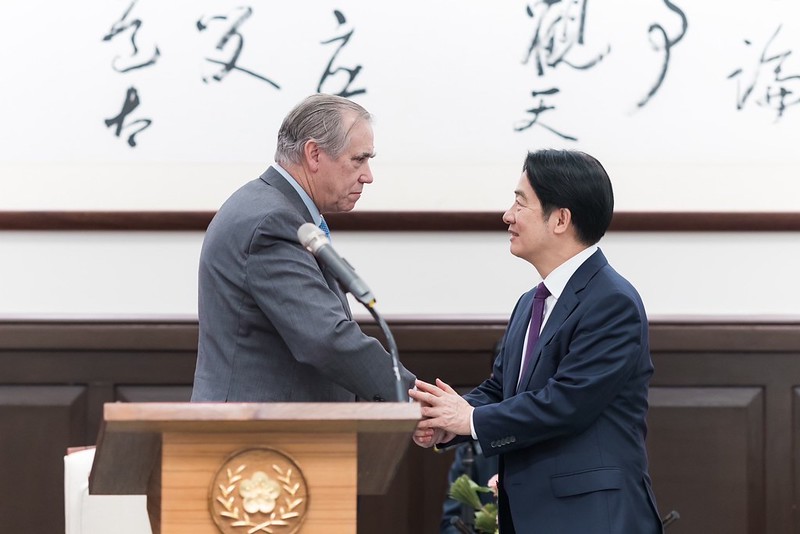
(402,394)
(314,239)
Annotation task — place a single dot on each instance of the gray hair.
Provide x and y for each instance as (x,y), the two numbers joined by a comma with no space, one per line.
(320,118)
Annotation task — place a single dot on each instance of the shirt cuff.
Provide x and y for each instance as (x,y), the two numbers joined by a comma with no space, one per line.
(472,425)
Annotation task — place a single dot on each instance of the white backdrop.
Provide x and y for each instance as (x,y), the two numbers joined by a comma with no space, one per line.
(448,81)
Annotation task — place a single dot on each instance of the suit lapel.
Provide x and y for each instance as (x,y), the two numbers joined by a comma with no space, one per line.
(273,178)
(565,305)
(515,341)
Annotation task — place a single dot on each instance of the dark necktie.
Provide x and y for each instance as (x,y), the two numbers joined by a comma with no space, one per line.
(536,324)
(324,227)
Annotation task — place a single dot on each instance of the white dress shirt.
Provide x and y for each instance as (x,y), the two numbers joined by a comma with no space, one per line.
(555,282)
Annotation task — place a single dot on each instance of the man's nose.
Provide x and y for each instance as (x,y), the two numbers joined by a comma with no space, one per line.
(366,177)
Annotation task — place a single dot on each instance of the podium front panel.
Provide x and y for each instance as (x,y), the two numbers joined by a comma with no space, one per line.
(191,500)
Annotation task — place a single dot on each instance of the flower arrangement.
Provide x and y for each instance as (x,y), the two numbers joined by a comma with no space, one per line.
(465,491)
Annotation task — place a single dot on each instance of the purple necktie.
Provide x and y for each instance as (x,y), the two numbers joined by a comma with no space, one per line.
(536,324)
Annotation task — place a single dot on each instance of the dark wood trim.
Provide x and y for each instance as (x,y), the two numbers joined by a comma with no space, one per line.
(398,221)
(106,220)
(134,334)
(736,334)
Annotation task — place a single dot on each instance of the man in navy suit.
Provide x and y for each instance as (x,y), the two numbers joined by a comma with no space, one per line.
(568,424)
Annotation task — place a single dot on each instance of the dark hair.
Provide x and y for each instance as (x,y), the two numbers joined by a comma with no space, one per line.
(576,181)
(319,117)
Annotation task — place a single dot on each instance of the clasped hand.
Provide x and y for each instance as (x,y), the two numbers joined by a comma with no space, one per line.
(445,413)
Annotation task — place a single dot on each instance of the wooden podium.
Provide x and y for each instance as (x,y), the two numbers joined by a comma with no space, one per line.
(251,468)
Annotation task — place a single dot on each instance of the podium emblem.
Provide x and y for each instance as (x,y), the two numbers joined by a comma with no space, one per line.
(258,490)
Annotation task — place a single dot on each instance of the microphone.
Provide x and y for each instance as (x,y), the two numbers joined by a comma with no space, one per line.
(313,238)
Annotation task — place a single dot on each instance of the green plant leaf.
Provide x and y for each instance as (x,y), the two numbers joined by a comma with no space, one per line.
(486,519)
(465,490)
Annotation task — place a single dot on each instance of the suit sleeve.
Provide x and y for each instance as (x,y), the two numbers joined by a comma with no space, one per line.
(491,390)
(601,355)
(289,288)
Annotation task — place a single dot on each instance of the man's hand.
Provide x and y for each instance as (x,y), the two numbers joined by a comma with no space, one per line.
(428,437)
(443,409)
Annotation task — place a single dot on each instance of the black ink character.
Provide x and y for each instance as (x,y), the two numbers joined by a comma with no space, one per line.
(558,38)
(776,94)
(131,103)
(330,71)
(666,43)
(122,25)
(559,30)
(236,18)
(539,110)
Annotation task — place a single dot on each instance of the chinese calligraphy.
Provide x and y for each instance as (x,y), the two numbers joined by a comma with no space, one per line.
(330,71)
(557,38)
(131,101)
(776,93)
(122,25)
(538,110)
(231,36)
(665,45)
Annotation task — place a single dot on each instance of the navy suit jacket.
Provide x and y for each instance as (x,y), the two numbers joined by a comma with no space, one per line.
(572,439)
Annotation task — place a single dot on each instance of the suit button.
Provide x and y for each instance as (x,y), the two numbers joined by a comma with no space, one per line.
(378,398)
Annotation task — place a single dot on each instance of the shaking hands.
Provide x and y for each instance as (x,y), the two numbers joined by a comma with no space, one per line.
(445,413)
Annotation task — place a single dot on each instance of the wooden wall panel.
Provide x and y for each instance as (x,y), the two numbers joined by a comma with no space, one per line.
(37,424)
(153,393)
(795,458)
(724,425)
(707,457)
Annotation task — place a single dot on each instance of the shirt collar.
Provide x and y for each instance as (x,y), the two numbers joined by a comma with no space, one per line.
(312,208)
(557,280)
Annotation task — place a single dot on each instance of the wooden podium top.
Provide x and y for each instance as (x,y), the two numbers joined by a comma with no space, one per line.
(129,442)
(260,417)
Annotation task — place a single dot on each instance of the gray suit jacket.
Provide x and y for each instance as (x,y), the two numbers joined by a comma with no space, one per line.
(274,326)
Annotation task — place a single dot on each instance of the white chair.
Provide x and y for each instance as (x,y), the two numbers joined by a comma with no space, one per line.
(98,514)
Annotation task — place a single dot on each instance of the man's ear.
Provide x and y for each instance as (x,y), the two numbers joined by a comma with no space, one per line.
(563,220)
(311,151)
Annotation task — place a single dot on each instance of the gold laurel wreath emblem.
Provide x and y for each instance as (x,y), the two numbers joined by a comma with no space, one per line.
(258,490)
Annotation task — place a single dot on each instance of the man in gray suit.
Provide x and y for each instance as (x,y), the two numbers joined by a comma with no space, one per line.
(274,324)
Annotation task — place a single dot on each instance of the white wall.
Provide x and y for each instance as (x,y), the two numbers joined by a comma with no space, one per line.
(447,83)
(147,273)
(446,80)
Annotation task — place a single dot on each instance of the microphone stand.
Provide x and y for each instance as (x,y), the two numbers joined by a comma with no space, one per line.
(314,240)
(402,396)
(670,518)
